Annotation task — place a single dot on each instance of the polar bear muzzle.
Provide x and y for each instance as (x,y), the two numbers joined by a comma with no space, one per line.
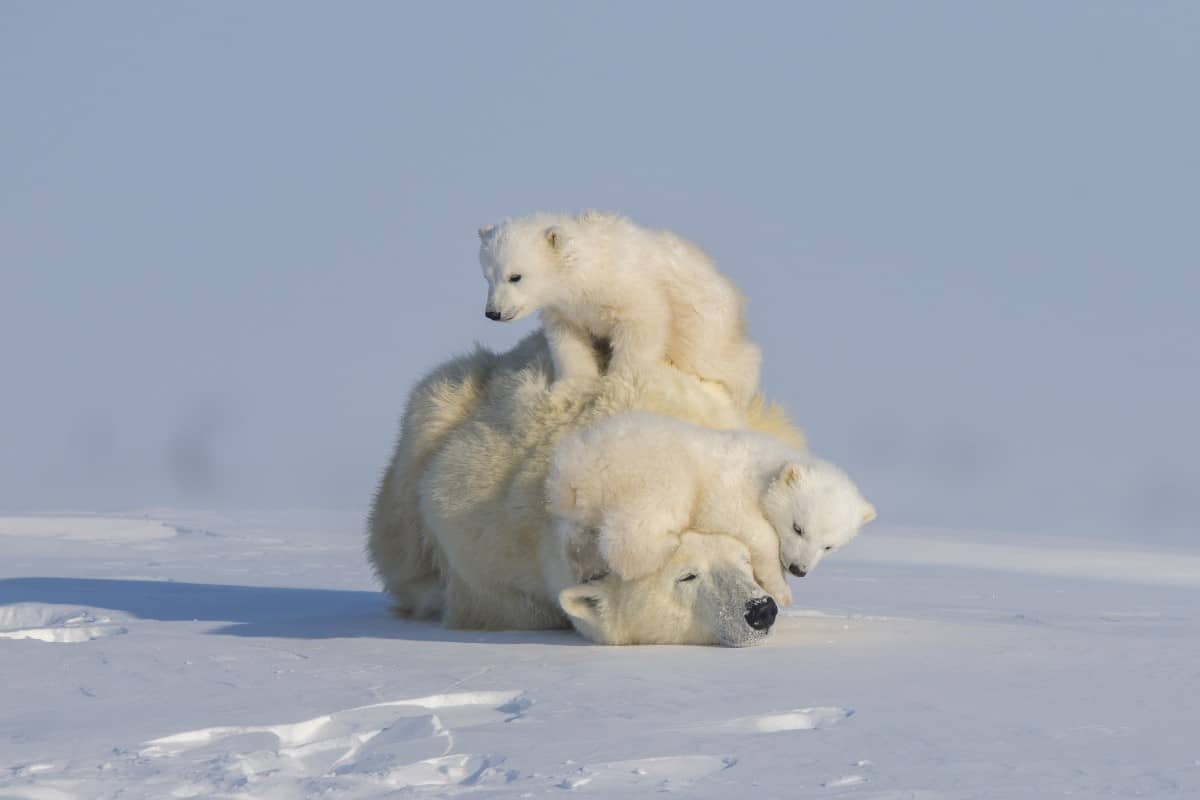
(761,613)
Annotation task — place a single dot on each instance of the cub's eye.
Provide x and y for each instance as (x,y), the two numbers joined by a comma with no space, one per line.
(691,576)
(514,278)
(799,531)
(830,547)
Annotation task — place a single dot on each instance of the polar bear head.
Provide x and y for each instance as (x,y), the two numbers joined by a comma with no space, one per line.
(705,594)
(815,508)
(521,260)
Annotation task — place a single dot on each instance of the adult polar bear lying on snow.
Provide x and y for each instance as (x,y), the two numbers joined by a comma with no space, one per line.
(459,527)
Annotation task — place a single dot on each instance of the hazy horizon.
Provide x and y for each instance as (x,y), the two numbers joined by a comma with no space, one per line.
(233,236)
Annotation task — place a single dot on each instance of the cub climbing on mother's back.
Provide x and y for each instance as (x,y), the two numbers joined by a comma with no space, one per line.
(649,293)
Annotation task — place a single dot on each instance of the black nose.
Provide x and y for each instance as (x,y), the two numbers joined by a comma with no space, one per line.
(760,613)
(492,314)
(799,573)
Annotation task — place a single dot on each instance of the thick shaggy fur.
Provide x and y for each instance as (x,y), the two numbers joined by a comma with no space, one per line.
(437,406)
(621,491)
(649,293)
(460,529)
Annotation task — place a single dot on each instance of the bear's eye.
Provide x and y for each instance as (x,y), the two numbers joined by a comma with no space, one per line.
(799,531)
(827,549)
(691,576)
(514,278)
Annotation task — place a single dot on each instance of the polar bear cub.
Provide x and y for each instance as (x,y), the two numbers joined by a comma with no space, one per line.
(622,490)
(597,276)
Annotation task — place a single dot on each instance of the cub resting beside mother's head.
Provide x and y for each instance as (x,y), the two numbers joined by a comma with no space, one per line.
(459,527)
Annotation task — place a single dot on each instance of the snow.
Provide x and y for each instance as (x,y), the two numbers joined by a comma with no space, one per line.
(86,529)
(177,654)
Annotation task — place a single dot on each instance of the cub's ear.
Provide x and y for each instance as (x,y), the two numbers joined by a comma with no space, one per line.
(554,237)
(485,230)
(585,602)
(791,474)
(869,514)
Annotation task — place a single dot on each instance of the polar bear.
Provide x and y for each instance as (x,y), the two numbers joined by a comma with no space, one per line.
(648,293)
(704,593)
(459,528)
(619,489)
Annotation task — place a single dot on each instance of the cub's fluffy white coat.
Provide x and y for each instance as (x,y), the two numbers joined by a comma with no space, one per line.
(649,293)
(623,489)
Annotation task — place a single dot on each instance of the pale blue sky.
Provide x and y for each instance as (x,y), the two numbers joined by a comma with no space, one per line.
(233,234)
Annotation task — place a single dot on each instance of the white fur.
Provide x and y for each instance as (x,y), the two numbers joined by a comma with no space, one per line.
(459,528)
(650,294)
(622,489)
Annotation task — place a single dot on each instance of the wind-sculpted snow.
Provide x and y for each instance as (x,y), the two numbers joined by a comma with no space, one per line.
(351,752)
(802,719)
(258,661)
(61,624)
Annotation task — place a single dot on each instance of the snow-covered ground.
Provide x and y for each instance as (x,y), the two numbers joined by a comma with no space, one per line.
(179,654)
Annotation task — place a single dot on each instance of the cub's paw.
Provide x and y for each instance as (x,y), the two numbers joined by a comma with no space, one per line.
(783,597)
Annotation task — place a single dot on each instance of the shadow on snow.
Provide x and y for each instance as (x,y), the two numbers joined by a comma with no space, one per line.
(258,610)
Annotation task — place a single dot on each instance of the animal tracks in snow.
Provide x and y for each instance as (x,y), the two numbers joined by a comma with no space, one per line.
(56,624)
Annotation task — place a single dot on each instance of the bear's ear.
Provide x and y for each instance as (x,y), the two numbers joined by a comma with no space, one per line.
(485,230)
(585,602)
(869,514)
(554,237)
(791,474)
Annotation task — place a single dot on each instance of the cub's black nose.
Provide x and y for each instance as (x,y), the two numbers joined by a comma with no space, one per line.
(760,613)
(799,573)
(492,314)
